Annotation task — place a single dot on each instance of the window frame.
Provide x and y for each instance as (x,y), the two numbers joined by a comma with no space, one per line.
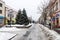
(0,4)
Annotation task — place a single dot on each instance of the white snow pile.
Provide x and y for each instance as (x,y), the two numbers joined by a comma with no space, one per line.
(17,25)
(51,35)
(6,36)
(10,29)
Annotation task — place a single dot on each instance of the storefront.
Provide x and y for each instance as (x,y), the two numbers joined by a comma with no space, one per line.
(1,20)
(53,21)
(58,19)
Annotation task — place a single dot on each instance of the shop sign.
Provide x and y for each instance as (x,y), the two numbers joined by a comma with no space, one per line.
(53,19)
(58,14)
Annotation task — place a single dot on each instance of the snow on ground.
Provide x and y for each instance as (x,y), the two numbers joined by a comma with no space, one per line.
(8,32)
(40,32)
(35,32)
(10,29)
(51,34)
(6,36)
(17,25)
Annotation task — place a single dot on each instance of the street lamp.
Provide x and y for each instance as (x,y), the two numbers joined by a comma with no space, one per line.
(10,16)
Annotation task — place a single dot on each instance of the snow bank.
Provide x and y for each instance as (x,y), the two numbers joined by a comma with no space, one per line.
(52,35)
(15,25)
(9,29)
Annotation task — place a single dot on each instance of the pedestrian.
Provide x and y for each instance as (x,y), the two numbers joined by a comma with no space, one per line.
(50,25)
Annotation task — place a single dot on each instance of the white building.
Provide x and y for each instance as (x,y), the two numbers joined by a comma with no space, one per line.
(10,13)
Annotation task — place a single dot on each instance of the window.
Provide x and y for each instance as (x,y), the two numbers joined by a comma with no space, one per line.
(0,5)
(0,11)
(56,6)
(1,21)
(10,15)
(50,11)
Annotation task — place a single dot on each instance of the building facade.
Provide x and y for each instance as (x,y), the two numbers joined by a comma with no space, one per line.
(6,12)
(53,13)
(10,14)
(2,12)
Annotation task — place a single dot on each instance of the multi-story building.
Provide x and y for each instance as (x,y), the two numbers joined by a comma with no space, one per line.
(2,12)
(10,13)
(53,13)
(6,12)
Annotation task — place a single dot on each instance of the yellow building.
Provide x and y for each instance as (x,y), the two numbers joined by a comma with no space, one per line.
(10,12)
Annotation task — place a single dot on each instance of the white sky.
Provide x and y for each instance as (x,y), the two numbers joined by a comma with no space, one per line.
(29,5)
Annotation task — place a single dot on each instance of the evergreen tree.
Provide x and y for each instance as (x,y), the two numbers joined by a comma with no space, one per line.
(22,18)
(26,21)
(18,17)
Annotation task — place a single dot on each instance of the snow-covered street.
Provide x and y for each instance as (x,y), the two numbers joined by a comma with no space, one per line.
(39,32)
(10,32)
(35,32)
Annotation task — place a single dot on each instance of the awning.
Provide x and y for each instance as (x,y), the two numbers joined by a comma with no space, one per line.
(1,17)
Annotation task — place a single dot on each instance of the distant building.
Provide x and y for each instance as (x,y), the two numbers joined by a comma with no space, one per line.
(30,19)
(10,12)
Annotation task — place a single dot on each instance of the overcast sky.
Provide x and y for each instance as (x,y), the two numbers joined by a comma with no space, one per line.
(29,5)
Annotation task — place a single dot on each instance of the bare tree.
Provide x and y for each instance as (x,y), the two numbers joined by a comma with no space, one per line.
(43,10)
